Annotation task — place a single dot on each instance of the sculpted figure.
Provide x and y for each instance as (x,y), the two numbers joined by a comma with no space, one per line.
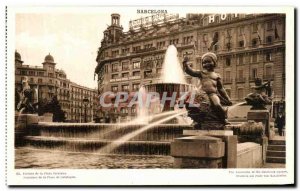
(261,95)
(211,84)
(26,98)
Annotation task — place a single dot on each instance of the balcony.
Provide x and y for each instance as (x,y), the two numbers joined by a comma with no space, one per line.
(268,77)
(241,80)
(227,81)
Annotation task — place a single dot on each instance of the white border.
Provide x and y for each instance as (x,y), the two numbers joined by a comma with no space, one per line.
(153,176)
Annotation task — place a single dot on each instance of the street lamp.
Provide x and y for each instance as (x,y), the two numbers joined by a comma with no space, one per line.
(85,102)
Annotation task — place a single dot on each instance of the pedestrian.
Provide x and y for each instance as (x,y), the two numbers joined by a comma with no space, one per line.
(280,123)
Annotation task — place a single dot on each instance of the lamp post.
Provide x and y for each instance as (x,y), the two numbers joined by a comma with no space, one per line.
(85,102)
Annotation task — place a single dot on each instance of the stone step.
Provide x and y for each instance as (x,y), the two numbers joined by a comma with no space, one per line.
(272,153)
(276,159)
(276,147)
(276,142)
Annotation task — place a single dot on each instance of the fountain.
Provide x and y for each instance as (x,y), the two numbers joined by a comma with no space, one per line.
(146,139)
(150,134)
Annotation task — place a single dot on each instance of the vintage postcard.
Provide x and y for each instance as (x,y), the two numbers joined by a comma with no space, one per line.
(163,95)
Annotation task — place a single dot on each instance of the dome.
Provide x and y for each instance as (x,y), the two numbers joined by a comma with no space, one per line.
(18,57)
(49,58)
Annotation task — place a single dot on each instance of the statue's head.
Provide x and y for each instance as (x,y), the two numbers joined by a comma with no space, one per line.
(259,84)
(25,82)
(209,61)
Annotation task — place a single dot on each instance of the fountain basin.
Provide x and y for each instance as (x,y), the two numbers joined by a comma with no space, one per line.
(89,137)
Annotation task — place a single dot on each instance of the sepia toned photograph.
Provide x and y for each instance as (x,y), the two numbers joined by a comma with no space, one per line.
(153,88)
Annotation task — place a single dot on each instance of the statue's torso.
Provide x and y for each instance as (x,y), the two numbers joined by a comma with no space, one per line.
(209,82)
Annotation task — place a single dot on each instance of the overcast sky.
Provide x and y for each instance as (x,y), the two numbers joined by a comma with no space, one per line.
(72,39)
(72,35)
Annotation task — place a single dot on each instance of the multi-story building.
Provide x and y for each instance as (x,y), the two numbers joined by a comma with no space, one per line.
(77,105)
(248,46)
(47,81)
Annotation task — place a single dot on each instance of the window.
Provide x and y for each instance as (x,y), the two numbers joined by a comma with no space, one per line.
(240,74)
(227,75)
(228,45)
(23,72)
(187,39)
(159,63)
(32,73)
(205,21)
(160,44)
(227,61)
(241,59)
(241,43)
(254,42)
(125,75)
(269,25)
(125,50)
(136,73)
(174,41)
(125,87)
(268,56)
(228,31)
(125,66)
(254,73)
(136,65)
(41,73)
(147,46)
(269,71)
(148,74)
(114,88)
(269,39)
(115,53)
(254,27)
(114,76)
(136,48)
(124,110)
(133,110)
(135,87)
(254,57)
(114,67)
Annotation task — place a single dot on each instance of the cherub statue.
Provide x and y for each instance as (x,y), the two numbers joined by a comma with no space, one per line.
(211,84)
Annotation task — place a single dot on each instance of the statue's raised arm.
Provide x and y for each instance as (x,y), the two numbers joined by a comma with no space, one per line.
(189,70)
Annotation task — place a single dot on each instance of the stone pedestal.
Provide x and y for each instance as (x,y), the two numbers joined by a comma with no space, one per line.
(249,155)
(21,123)
(261,116)
(198,152)
(227,137)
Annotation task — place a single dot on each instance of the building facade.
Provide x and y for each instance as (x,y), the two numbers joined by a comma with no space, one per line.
(47,81)
(248,46)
